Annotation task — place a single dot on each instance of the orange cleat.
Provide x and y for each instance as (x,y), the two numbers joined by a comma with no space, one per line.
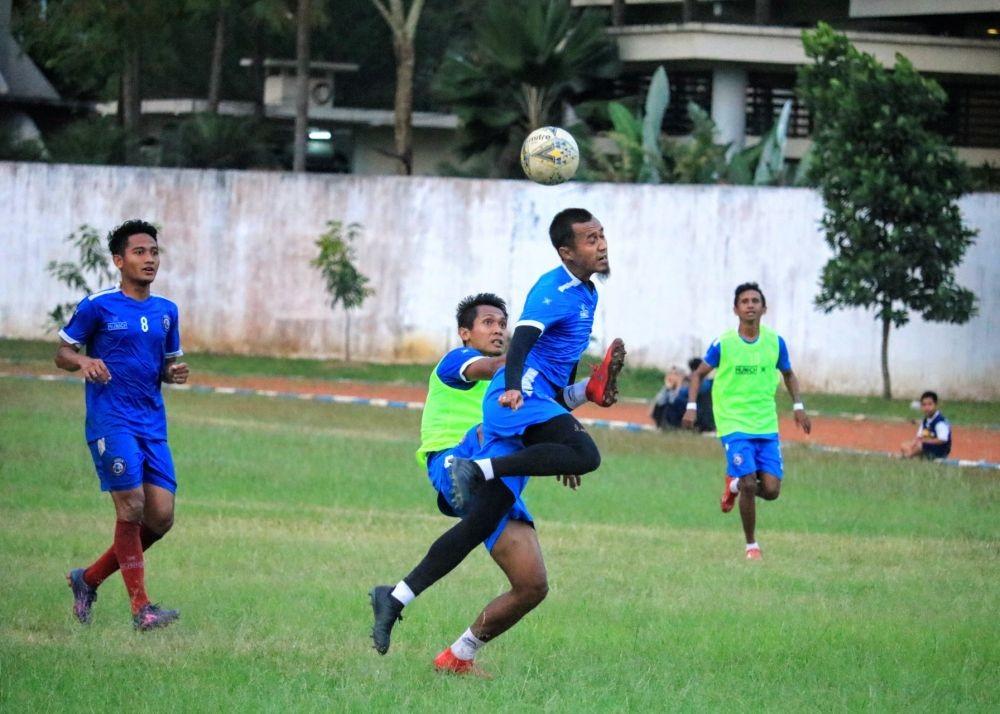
(754,554)
(602,389)
(449,663)
(728,497)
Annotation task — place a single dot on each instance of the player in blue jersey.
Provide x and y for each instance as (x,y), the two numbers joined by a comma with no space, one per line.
(524,401)
(549,441)
(132,342)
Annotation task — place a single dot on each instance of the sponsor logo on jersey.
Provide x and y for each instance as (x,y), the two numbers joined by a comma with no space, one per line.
(120,325)
(745,369)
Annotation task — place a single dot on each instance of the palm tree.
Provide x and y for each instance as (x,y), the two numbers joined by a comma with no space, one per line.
(529,57)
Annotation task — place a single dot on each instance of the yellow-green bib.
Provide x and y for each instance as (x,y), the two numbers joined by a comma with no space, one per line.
(448,414)
(745,382)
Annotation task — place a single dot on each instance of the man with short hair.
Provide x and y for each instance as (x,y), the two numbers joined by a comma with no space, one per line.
(568,299)
(132,344)
(748,361)
(933,439)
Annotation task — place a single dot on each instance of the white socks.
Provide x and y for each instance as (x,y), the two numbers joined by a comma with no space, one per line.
(575,395)
(753,546)
(467,645)
(403,593)
(734,486)
(487,468)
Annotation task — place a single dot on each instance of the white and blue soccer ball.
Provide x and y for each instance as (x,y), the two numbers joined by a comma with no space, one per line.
(550,156)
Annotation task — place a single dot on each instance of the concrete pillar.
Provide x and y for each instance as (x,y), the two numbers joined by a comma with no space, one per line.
(729,89)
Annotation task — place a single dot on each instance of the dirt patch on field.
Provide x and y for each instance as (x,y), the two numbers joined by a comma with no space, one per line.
(971,443)
(866,435)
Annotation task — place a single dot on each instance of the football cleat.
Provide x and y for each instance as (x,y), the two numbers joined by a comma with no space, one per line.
(152,616)
(83,595)
(602,389)
(754,554)
(448,662)
(728,497)
(387,610)
(466,478)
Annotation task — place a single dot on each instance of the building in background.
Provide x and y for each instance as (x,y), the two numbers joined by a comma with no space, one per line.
(737,59)
(341,139)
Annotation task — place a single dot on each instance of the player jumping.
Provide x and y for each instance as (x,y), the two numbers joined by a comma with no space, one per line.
(747,361)
(557,320)
(133,342)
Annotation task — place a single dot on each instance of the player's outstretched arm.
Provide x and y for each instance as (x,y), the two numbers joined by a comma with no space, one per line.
(482,370)
(69,358)
(691,414)
(792,385)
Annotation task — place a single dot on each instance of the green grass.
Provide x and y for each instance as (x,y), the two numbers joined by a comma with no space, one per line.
(636,382)
(878,591)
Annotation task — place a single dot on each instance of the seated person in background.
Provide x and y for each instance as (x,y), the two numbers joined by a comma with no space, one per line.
(664,403)
(705,421)
(671,401)
(933,440)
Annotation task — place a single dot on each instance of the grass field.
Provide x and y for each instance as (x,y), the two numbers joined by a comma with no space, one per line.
(636,382)
(878,590)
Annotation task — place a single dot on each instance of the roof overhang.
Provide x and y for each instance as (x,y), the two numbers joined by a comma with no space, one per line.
(767,46)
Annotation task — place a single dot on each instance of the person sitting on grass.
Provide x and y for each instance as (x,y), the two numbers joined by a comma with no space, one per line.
(933,439)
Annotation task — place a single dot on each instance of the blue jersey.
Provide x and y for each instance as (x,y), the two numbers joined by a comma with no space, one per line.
(451,368)
(133,339)
(562,307)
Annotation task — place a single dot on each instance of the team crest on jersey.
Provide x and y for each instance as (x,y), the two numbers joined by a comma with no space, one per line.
(584,312)
(166,323)
(738,460)
(118,466)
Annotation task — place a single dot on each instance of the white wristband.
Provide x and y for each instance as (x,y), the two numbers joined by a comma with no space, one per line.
(692,406)
(798,406)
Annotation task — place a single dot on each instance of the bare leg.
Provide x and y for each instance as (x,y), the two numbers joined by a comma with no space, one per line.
(519,555)
(765,485)
(158,514)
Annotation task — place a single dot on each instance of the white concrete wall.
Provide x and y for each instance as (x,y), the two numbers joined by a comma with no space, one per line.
(237,247)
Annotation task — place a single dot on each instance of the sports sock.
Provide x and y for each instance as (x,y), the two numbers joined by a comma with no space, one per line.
(486,466)
(734,486)
(751,546)
(402,593)
(467,645)
(575,395)
(106,565)
(128,549)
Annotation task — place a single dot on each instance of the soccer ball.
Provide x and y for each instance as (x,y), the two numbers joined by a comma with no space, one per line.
(550,155)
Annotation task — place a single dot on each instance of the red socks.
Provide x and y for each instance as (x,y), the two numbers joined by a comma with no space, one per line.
(106,566)
(128,551)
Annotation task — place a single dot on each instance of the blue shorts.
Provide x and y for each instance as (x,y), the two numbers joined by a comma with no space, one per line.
(747,456)
(124,462)
(437,472)
(540,405)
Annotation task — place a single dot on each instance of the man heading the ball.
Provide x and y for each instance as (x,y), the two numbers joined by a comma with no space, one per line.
(748,361)
(548,442)
(133,342)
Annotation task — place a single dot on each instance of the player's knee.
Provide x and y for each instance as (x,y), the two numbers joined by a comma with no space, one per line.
(533,591)
(160,524)
(769,492)
(130,508)
(589,458)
